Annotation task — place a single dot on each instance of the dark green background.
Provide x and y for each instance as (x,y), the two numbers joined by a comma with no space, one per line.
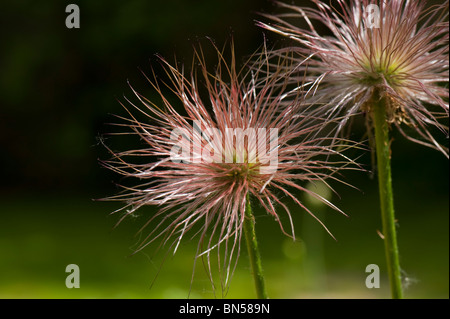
(59,88)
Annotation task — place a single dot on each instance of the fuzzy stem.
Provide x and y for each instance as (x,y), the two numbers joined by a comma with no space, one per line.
(383,152)
(253,251)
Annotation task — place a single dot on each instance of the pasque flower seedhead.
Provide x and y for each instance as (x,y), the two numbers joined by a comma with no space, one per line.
(229,139)
(396,49)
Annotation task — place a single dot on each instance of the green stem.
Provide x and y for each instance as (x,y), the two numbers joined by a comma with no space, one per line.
(383,152)
(253,251)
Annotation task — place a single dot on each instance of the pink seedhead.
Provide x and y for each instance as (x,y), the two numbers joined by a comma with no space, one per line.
(232,140)
(397,47)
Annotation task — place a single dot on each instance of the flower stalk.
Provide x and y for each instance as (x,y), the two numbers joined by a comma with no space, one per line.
(253,251)
(383,151)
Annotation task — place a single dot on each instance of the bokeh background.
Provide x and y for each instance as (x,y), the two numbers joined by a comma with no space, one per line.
(58,90)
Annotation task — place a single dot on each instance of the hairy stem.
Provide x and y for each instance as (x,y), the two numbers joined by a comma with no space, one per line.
(383,151)
(253,251)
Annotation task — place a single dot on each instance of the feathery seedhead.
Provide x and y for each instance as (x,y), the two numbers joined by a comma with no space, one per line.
(396,47)
(232,141)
